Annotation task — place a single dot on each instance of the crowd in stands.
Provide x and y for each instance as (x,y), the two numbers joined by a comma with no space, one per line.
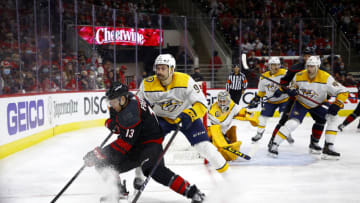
(347,14)
(39,68)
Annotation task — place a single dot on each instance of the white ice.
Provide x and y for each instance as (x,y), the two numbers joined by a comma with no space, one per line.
(37,174)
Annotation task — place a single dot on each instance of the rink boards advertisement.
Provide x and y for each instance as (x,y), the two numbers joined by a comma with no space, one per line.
(27,120)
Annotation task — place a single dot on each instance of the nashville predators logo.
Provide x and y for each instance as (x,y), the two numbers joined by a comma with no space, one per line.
(217,114)
(149,79)
(309,93)
(271,87)
(170,105)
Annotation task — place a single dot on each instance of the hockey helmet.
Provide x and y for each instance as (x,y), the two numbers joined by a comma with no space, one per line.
(313,61)
(224,100)
(308,51)
(166,59)
(117,90)
(274,60)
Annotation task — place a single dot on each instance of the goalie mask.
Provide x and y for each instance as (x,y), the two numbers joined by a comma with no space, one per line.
(274,65)
(223,101)
(166,59)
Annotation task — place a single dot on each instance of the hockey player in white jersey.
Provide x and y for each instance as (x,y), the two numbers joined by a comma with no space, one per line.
(222,132)
(267,89)
(317,85)
(177,99)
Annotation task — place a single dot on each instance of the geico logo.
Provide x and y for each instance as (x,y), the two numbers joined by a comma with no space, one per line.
(23,116)
(94,105)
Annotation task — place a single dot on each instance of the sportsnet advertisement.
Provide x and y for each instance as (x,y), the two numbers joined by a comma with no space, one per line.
(121,36)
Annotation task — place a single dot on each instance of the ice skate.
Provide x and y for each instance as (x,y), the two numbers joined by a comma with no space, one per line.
(273,150)
(122,194)
(257,137)
(329,153)
(198,197)
(314,148)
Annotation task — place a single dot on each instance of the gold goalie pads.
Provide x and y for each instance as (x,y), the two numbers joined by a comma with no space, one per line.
(220,141)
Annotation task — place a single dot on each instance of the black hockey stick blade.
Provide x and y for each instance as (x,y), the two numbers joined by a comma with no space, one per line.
(78,172)
(240,154)
(161,156)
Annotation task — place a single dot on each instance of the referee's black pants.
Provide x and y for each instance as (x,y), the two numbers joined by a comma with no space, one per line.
(235,95)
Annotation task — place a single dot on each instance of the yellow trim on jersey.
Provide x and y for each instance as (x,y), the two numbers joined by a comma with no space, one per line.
(224,168)
(152,83)
(217,113)
(259,126)
(267,74)
(200,109)
(342,97)
(330,132)
(321,77)
(261,94)
(278,102)
(281,135)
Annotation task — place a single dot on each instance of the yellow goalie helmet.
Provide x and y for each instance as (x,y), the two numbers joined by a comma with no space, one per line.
(223,100)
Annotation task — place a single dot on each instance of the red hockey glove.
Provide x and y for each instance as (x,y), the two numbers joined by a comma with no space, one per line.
(94,157)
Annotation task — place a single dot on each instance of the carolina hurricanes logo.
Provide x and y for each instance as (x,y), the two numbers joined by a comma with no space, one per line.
(309,93)
(170,105)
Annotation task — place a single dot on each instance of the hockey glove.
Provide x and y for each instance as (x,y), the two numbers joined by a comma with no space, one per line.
(334,108)
(278,92)
(291,92)
(184,121)
(254,102)
(94,157)
(111,124)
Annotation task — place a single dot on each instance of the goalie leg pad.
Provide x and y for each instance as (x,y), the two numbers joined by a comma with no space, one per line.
(220,142)
(209,151)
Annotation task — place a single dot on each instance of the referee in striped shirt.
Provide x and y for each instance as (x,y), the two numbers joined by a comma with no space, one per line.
(236,83)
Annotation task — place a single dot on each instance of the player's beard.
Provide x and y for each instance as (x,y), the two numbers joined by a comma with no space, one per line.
(312,74)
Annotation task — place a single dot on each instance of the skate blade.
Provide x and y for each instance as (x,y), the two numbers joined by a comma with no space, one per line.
(313,151)
(272,155)
(329,157)
(113,200)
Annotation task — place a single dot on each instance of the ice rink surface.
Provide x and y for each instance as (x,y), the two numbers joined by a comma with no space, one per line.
(37,174)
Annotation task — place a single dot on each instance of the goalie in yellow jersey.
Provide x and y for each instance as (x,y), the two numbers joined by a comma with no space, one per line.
(221,132)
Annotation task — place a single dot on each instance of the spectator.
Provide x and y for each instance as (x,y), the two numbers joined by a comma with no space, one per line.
(340,72)
(217,62)
(92,80)
(132,83)
(84,80)
(350,81)
(122,74)
(197,76)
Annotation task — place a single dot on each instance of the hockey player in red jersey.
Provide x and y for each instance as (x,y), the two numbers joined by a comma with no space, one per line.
(139,144)
(351,118)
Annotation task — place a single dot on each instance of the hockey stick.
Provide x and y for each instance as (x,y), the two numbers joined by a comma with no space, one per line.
(161,156)
(243,60)
(240,154)
(78,172)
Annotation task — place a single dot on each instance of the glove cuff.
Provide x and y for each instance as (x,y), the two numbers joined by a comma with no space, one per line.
(191,113)
(99,155)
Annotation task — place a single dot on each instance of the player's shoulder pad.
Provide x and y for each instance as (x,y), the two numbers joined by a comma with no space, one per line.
(180,79)
(130,116)
(150,79)
(266,74)
(282,71)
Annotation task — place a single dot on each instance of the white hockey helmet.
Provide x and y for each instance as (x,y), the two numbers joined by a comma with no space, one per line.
(313,61)
(223,98)
(274,60)
(166,59)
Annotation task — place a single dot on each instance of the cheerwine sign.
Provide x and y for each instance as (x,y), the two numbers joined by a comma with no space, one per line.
(120,36)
